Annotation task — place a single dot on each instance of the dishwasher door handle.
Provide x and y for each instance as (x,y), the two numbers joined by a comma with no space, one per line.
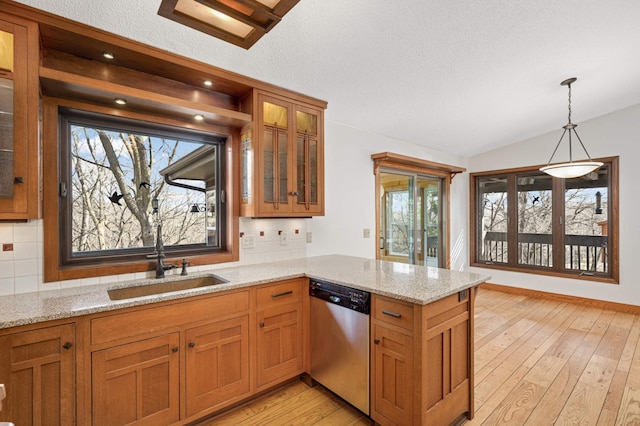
(334,299)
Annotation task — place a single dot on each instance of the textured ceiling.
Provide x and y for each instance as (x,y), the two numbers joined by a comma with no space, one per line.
(462,76)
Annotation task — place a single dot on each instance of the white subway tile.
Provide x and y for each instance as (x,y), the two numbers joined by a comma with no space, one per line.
(25,251)
(26,284)
(7,286)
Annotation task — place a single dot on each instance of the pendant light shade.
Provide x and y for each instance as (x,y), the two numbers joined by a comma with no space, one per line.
(570,169)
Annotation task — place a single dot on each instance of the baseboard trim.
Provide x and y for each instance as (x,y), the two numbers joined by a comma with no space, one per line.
(583,301)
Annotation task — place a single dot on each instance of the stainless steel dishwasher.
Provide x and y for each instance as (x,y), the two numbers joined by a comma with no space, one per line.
(340,341)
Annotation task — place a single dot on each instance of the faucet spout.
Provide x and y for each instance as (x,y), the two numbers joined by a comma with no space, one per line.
(159,255)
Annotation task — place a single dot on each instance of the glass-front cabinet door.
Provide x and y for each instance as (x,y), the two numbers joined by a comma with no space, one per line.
(274,164)
(19,148)
(282,160)
(309,161)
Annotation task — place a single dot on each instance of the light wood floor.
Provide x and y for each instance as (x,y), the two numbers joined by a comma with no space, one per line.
(537,362)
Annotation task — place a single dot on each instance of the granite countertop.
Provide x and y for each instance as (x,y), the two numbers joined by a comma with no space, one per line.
(411,283)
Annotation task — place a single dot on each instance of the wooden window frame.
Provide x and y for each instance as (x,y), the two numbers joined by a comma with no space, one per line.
(55,269)
(389,161)
(558,270)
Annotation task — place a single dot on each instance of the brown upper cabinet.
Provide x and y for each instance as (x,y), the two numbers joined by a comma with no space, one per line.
(19,143)
(282,154)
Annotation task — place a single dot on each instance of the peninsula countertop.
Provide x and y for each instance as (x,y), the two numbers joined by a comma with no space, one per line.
(412,283)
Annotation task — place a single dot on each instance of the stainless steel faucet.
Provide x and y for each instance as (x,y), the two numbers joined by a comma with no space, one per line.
(159,255)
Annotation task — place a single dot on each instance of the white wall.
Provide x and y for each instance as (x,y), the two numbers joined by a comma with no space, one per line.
(350,193)
(613,134)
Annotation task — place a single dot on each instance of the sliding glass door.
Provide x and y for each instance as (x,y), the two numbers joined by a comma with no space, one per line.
(411,219)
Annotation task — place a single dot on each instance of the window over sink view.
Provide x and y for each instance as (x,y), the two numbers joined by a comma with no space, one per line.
(123,177)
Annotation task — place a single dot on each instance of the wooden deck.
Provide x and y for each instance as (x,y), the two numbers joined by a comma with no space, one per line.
(538,362)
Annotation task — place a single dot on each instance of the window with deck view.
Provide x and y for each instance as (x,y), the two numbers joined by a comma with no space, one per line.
(526,220)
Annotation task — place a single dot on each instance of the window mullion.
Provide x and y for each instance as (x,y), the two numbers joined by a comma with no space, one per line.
(512,224)
(558,224)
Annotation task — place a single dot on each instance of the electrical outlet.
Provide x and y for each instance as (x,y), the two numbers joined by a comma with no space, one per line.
(283,238)
(7,247)
(248,242)
(309,237)
(366,233)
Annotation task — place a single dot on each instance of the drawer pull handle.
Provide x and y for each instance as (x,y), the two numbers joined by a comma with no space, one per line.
(376,341)
(192,344)
(391,313)
(67,345)
(261,325)
(284,293)
(174,349)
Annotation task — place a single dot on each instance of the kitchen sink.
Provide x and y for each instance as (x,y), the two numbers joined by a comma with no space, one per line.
(164,287)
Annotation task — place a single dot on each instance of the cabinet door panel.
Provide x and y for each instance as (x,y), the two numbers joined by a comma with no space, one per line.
(137,382)
(309,161)
(447,361)
(392,375)
(279,343)
(289,159)
(19,142)
(217,363)
(37,368)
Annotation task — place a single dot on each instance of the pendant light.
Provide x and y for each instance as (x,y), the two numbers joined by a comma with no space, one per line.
(571,169)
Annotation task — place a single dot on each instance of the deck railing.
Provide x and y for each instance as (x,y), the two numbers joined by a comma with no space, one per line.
(586,253)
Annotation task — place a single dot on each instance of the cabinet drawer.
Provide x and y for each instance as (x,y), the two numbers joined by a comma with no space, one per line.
(393,312)
(284,292)
(131,324)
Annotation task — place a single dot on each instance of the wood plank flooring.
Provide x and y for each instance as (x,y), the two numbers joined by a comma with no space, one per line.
(293,404)
(540,362)
(537,362)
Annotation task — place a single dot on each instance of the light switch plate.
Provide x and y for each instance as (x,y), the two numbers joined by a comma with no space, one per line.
(283,239)
(248,242)
(366,233)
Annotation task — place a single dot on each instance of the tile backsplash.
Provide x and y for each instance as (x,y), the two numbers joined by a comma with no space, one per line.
(263,240)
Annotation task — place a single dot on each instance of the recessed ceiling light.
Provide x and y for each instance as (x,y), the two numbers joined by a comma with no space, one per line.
(208,83)
(120,101)
(108,55)
(198,117)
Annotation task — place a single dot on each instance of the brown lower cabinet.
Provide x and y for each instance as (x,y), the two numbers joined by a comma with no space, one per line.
(280,332)
(38,369)
(422,361)
(137,382)
(176,362)
(217,364)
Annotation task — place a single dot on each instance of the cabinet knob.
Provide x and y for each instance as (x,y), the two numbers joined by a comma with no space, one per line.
(192,344)
(376,341)
(261,324)
(175,349)
(67,345)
